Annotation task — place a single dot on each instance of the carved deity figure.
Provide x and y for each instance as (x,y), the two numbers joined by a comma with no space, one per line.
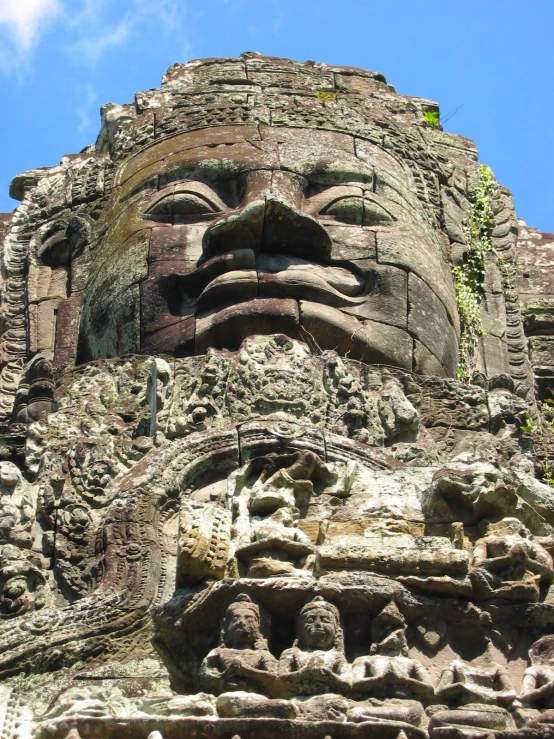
(17,508)
(389,673)
(265,513)
(478,697)
(463,683)
(316,662)
(279,526)
(23,587)
(537,689)
(508,564)
(286,480)
(242,661)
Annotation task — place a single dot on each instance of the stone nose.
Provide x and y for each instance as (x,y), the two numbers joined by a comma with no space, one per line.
(288,231)
(269,220)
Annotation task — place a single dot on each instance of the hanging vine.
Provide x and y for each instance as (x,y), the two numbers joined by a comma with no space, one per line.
(541,430)
(469,277)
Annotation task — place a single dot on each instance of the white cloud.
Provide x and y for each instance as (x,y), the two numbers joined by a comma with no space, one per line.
(84,110)
(86,29)
(100,24)
(91,46)
(25,19)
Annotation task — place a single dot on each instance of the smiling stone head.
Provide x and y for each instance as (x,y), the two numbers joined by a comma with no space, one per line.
(250,196)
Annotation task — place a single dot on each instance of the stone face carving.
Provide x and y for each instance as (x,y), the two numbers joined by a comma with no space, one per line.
(316,662)
(241,491)
(388,671)
(243,660)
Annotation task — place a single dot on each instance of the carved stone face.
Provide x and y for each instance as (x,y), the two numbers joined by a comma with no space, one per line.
(218,234)
(318,628)
(242,628)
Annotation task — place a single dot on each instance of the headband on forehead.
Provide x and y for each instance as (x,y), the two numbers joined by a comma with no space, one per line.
(319,603)
(241,603)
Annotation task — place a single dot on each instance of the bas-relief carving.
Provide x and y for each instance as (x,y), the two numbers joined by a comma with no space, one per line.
(240,490)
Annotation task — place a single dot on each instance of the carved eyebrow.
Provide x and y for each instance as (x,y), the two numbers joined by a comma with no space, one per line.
(209,168)
(338,173)
(181,187)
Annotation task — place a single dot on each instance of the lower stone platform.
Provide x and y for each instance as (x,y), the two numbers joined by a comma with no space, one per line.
(201,728)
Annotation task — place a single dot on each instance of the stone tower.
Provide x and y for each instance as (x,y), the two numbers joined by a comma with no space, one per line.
(276,373)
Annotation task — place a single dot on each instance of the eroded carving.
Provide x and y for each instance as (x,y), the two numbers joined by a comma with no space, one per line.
(231,424)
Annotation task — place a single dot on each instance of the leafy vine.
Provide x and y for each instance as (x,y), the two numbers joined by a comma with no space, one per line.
(469,277)
(542,432)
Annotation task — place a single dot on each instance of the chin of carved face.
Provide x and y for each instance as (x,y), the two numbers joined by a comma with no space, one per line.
(220,234)
(318,629)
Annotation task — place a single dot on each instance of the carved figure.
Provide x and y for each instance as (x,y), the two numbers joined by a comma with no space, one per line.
(507,564)
(17,507)
(23,586)
(317,661)
(265,512)
(537,689)
(479,697)
(286,480)
(242,661)
(388,671)
(462,683)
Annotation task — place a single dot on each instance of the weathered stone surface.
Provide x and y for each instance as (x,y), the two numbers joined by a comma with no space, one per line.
(228,327)
(428,322)
(241,492)
(369,341)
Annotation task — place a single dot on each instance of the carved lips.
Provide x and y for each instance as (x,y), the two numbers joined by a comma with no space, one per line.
(242,275)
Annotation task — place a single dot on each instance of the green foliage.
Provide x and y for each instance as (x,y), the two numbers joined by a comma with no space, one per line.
(469,277)
(327,97)
(547,472)
(543,432)
(528,426)
(432,117)
(546,410)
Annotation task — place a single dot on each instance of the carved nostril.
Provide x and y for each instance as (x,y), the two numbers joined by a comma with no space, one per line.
(287,231)
(240,230)
(269,225)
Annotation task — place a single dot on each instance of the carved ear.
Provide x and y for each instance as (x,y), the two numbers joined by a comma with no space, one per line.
(63,241)
(53,249)
(78,234)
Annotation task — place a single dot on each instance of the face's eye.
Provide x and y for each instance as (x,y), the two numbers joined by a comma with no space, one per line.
(346,210)
(374,214)
(183,205)
(358,211)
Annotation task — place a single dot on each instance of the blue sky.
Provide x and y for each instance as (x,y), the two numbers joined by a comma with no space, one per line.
(60,60)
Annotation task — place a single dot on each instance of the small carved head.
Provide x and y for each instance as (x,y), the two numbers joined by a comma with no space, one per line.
(542,651)
(319,626)
(240,628)
(388,632)
(10,476)
(508,526)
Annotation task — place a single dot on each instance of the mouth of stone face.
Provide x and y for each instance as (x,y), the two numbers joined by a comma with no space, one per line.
(242,275)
